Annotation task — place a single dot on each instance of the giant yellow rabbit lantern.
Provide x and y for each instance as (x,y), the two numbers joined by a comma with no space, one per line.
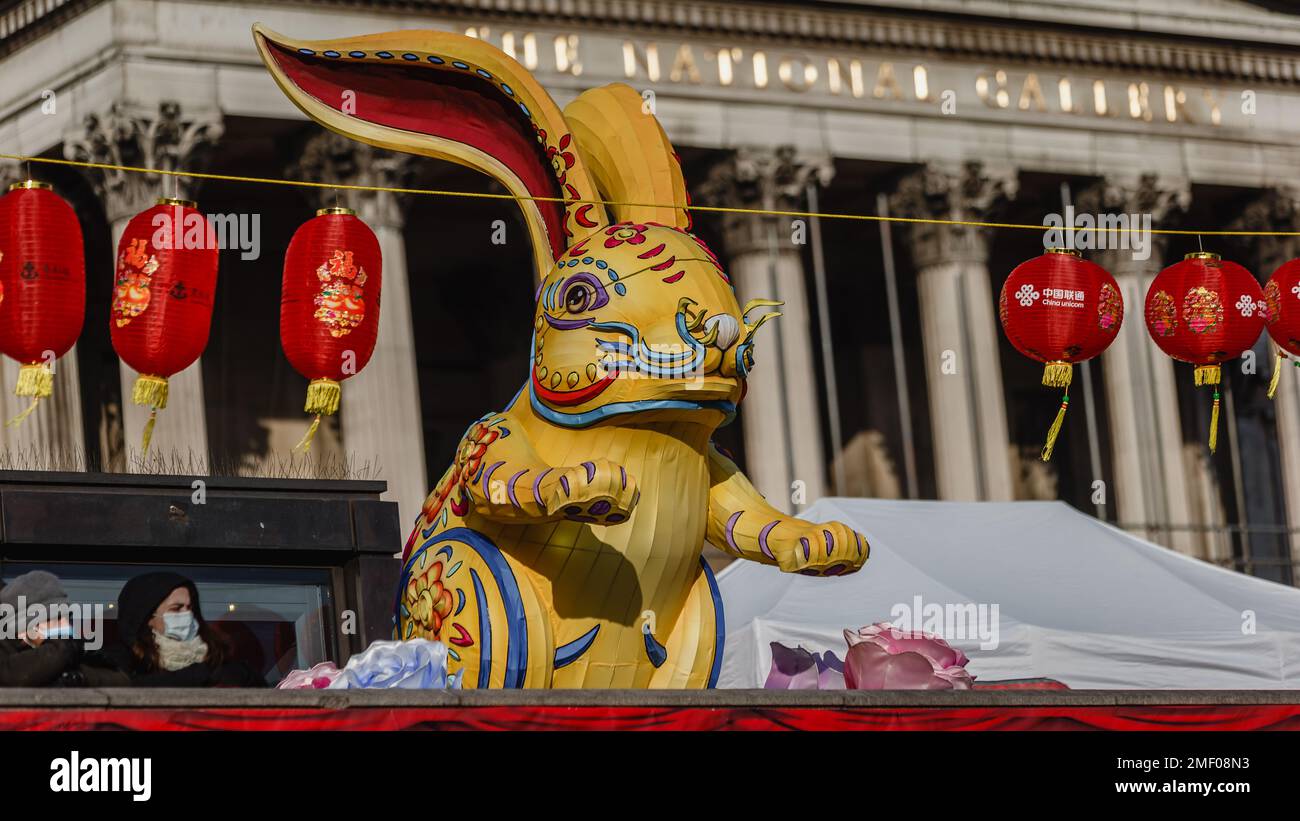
(562,548)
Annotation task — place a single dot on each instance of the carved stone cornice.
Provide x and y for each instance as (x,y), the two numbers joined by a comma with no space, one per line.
(26,20)
(168,140)
(796,26)
(1166,199)
(966,192)
(1276,209)
(772,179)
(331,158)
(10,173)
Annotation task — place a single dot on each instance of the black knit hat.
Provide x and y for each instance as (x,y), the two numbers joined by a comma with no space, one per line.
(141,596)
(36,587)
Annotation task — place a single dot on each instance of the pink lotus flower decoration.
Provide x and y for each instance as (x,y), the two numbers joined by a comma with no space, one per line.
(798,669)
(881,657)
(317,678)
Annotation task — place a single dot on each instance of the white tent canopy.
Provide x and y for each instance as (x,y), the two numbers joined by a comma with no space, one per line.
(1077,600)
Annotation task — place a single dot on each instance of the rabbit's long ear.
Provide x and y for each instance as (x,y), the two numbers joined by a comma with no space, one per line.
(629,154)
(452,97)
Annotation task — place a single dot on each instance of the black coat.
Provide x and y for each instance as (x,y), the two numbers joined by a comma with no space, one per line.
(57,662)
(136,603)
(228,674)
(24,666)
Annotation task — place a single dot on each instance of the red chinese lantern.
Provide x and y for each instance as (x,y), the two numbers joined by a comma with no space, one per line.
(42,285)
(1205,311)
(163,292)
(1282,316)
(1059,309)
(329,306)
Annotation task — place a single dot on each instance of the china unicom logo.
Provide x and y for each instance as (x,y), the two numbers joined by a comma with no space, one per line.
(1247,305)
(1026,295)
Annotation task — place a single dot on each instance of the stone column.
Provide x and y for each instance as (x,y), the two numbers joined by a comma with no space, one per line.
(52,437)
(972,451)
(380,412)
(1158,482)
(1278,210)
(780,414)
(1288,434)
(167,139)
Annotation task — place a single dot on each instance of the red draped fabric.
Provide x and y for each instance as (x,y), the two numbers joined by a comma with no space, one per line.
(1211,717)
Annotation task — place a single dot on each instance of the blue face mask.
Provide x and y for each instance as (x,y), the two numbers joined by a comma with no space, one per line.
(180,626)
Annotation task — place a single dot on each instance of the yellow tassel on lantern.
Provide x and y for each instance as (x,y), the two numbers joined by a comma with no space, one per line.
(322,400)
(36,381)
(1057,374)
(1207,375)
(151,391)
(1055,430)
(1277,373)
(1214,422)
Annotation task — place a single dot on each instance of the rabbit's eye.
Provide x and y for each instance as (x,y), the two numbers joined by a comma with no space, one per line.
(583,293)
(577,299)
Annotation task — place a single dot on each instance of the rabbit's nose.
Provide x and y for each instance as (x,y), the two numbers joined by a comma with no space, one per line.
(725,329)
(738,358)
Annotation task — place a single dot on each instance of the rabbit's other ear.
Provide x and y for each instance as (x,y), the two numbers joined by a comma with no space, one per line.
(630,156)
(452,97)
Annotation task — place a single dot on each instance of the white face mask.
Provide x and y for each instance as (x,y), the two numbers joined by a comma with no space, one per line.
(180,626)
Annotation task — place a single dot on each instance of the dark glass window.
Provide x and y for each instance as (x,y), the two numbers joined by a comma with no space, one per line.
(274,619)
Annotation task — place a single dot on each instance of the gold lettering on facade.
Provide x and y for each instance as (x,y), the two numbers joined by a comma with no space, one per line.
(760,69)
(684,67)
(632,61)
(727,59)
(1099,98)
(1031,94)
(1176,105)
(921,83)
(887,83)
(1139,104)
(510,45)
(1066,95)
(1212,100)
(994,94)
(845,76)
(793,78)
(857,80)
(835,77)
(566,54)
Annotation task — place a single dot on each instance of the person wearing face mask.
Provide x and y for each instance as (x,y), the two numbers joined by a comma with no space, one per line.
(49,653)
(163,640)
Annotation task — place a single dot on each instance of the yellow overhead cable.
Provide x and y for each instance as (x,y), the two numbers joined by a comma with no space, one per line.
(703,208)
